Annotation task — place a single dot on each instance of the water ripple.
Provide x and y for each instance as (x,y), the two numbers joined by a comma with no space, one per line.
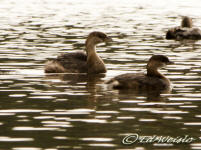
(73,111)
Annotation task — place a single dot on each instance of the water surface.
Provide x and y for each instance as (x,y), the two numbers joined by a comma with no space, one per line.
(76,111)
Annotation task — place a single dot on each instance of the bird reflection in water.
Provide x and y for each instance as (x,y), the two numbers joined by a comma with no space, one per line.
(90,81)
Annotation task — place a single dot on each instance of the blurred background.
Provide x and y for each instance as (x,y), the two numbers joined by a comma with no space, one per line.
(65,111)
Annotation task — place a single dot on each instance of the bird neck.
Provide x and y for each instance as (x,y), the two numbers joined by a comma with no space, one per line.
(152,71)
(94,63)
(90,50)
(186,23)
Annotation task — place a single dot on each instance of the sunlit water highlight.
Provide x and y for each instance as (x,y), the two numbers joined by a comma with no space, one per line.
(70,111)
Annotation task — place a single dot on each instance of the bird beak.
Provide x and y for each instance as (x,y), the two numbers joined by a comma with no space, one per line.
(108,39)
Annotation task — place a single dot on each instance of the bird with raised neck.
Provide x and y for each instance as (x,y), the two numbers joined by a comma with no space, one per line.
(152,80)
(185,31)
(81,62)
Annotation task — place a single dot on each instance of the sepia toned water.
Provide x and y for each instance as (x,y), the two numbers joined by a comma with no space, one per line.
(76,111)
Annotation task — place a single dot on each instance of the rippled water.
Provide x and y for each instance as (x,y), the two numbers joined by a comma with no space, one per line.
(56,112)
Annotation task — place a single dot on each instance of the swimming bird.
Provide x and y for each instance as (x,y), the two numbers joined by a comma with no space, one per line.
(81,62)
(152,80)
(185,31)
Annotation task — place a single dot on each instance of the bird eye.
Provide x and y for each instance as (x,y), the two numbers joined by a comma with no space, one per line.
(102,36)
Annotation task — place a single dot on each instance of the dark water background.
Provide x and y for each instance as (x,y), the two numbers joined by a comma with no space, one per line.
(56,112)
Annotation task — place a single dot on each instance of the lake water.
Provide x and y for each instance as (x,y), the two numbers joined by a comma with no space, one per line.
(75,111)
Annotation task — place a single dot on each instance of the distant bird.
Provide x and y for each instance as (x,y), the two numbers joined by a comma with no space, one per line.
(81,62)
(152,80)
(185,31)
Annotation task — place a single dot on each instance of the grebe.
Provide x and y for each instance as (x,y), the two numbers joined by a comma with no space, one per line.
(185,31)
(81,62)
(152,80)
